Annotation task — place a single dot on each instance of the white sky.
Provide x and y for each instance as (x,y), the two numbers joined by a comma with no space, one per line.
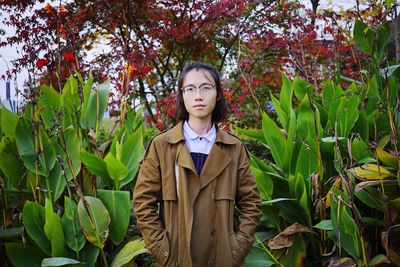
(7,54)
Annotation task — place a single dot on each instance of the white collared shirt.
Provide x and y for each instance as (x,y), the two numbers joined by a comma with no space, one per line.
(197,143)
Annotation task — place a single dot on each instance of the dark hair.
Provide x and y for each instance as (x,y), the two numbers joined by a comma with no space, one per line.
(220,109)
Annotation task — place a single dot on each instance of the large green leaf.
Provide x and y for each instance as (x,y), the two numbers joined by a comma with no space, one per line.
(59,261)
(384,34)
(371,197)
(300,88)
(95,164)
(256,134)
(34,219)
(69,150)
(96,105)
(57,182)
(360,150)
(8,122)
(89,254)
(94,220)
(22,255)
(295,254)
(28,147)
(116,169)
(10,164)
(307,160)
(128,252)
(131,154)
(70,99)
(118,206)
(50,102)
(258,257)
(264,183)
(306,125)
(54,231)
(275,140)
(86,93)
(301,194)
(282,115)
(343,113)
(363,36)
(286,94)
(74,235)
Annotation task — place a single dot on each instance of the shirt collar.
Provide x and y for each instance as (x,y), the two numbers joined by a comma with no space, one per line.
(189,133)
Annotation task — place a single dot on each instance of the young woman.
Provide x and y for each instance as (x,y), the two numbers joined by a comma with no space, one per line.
(192,179)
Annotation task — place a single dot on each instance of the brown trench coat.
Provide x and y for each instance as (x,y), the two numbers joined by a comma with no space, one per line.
(194,222)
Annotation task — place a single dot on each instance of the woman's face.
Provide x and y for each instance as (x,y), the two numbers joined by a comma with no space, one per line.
(199,94)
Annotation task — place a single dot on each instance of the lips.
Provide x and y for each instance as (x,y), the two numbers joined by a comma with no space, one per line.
(199,106)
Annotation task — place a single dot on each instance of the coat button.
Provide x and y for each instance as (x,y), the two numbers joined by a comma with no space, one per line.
(209,263)
(234,252)
(213,232)
(166,253)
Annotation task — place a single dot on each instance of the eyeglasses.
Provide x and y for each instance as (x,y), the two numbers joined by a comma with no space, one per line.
(204,89)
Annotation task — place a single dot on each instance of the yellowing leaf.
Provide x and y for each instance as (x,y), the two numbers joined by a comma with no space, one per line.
(371,172)
(387,158)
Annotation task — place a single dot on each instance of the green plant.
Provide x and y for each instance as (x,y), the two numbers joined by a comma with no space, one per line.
(69,179)
(335,171)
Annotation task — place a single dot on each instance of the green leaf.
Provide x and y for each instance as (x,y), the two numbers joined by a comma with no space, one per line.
(22,255)
(344,111)
(27,148)
(11,232)
(131,154)
(300,88)
(50,101)
(69,152)
(128,252)
(295,254)
(264,183)
(258,257)
(378,260)
(286,94)
(11,166)
(74,235)
(360,150)
(118,205)
(89,254)
(363,37)
(8,122)
(59,261)
(95,164)
(70,99)
(282,115)
(96,105)
(384,34)
(115,168)
(307,160)
(256,134)
(325,225)
(94,220)
(371,197)
(86,93)
(275,140)
(54,231)
(34,218)
(57,182)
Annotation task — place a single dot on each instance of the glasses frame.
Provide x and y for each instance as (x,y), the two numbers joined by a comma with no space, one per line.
(197,89)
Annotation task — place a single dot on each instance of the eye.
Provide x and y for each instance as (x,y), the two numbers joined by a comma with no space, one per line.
(189,89)
(207,87)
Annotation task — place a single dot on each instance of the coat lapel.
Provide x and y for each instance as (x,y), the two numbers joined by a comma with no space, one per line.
(216,162)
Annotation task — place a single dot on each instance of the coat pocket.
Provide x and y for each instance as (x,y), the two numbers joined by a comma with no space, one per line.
(236,250)
(163,251)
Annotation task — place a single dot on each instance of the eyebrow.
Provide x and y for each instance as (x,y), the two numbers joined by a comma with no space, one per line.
(199,85)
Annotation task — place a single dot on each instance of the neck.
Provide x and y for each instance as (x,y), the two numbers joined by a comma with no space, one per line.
(199,126)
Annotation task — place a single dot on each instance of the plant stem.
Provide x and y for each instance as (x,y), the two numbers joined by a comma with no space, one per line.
(103,255)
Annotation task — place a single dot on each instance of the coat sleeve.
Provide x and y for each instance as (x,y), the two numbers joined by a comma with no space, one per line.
(248,201)
(146,196)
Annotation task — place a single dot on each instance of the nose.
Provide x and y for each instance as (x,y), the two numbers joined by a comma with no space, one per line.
(198,95)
